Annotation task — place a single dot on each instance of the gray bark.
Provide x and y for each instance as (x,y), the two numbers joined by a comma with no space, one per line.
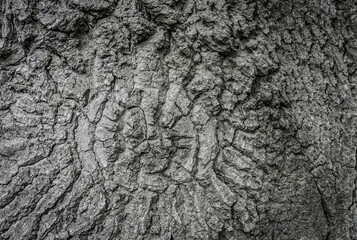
(178,119)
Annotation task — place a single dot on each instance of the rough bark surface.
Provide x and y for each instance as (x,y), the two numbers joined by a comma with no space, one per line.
(178,119)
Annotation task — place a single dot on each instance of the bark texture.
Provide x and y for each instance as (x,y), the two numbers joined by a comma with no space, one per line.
(178,119)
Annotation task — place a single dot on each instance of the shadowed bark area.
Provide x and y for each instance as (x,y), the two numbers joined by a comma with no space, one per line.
(178,119)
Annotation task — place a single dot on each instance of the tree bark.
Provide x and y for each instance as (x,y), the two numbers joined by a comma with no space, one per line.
(178,119)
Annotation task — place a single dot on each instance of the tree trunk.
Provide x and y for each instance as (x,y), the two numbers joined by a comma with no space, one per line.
(178,119)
